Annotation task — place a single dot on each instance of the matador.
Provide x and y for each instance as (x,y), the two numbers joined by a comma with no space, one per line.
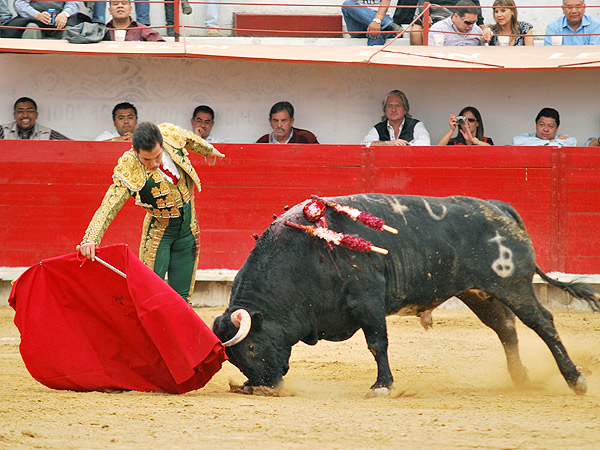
(159,175)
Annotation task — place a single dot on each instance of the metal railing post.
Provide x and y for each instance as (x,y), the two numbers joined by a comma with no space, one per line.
(176,16)
(426,7)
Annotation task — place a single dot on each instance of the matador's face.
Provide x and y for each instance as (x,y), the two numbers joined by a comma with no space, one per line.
(151,159)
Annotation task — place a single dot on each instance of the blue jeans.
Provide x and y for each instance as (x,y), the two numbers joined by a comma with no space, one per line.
(142,13)
(359,18)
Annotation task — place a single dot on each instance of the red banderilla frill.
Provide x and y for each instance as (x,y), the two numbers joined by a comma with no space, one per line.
(368,219)
(333,237)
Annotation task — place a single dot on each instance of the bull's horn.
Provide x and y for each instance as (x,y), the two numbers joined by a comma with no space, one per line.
(241,319)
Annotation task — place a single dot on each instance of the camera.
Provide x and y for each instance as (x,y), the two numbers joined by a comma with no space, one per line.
(460,120)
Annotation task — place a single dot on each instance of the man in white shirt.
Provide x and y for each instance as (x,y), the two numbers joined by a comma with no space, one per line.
(460,29)
(546,129)
(125,119)
(203,121)
(397,127)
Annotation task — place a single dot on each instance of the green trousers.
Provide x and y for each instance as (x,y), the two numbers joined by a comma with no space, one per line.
(171,247)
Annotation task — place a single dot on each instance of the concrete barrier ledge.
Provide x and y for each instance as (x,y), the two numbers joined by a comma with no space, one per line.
(213,288)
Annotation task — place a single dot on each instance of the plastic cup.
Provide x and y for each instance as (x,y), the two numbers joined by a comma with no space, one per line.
(438,39)
(557,40)
(503,40)
(120,35)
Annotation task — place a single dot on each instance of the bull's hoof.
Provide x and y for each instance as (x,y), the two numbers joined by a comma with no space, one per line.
(580,386)
(247,389)
(380,391)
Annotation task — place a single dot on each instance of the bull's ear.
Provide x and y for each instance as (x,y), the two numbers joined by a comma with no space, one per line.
(257,320)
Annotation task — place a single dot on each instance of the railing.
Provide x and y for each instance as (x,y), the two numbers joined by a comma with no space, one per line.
(226,25)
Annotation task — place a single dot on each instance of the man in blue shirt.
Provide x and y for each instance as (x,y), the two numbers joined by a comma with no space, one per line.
(576,27)
(546,130)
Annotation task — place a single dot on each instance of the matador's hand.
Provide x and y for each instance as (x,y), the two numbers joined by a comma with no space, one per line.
(87,249)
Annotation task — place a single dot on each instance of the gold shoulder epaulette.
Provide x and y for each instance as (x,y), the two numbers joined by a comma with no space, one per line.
(130,171)
(173,135)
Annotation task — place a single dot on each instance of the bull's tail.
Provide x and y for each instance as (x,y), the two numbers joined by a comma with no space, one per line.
(577,289)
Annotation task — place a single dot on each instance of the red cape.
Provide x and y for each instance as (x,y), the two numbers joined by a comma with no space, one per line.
(85,328)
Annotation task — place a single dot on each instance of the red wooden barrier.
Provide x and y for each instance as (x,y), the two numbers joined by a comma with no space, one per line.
(51,189)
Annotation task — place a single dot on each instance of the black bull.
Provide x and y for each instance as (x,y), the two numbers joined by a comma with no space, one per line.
(296,287)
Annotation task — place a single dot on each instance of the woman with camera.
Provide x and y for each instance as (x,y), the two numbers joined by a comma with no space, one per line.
(470,126)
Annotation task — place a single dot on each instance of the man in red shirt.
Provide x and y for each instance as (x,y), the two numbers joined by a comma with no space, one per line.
(121,20)
(281,119)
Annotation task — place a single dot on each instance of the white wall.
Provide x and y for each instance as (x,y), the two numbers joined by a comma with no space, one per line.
(75,95)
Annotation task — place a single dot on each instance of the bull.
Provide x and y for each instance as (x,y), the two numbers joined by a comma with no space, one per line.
(294,287)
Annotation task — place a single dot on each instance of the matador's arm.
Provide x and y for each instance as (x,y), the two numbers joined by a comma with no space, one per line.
(178,138)
(113,201)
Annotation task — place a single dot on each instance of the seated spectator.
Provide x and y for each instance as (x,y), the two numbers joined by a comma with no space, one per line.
(125,118)
(170,15)
(121,20)
(5,15)
(443,11)
(397,127)
(34,14)
(142,12)
(25,126)
(593,142)
(505,15)
(371,18)
(460,29)
(546,129)
(281,118)
(470,131)
(580,28)
(203,121)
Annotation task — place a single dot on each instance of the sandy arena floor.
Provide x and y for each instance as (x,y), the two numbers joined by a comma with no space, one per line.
(457,395)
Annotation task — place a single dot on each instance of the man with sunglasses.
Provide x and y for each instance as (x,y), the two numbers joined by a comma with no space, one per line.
(460,29)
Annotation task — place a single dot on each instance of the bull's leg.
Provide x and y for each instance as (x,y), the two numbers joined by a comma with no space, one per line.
(522,301)
(369,314)
(502,320)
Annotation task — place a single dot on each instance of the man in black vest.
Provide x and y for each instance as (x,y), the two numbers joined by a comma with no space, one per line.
(397,127)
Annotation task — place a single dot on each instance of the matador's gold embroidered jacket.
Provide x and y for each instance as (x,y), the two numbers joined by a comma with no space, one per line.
(149,188)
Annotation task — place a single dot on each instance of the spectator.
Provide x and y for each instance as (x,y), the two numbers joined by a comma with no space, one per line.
(575,24)
(505,14)
(142,12)
(34,14)
(397,127)
(203,121)
(460,29)
(281,118)
(443,11)
(593,142)
(404,16)
(470,130)
(125,118)
(5,15)
(170,15)
(25,126)
(212,19)
(546,128)
(121,20)
(371,18)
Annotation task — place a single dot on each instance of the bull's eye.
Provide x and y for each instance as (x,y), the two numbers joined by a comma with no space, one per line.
(251,348)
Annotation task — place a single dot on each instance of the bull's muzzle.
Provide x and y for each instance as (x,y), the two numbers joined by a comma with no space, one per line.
(241,319)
